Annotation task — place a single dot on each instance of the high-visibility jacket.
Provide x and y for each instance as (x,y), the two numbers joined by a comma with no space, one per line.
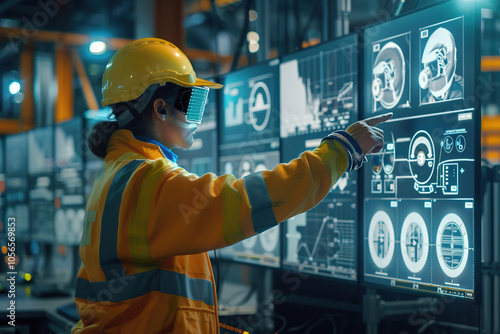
(149,224)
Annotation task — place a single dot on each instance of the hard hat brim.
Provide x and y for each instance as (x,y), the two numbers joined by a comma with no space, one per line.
(206,83)
(197,82)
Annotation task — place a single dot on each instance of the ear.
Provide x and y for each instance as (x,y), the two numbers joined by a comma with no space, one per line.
(159,109)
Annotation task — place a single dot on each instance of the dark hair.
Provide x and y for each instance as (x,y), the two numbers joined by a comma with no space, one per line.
(100,135)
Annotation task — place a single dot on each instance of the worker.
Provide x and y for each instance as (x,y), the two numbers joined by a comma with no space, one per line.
(149,223)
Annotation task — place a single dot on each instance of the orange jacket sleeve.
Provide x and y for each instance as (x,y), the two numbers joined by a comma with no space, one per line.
(187,214)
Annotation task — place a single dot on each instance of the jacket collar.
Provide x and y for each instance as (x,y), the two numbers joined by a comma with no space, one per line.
(124,141)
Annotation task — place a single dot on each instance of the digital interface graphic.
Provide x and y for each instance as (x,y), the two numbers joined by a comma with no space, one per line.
(249,142)
(41,150)
(318,89)
(69,143)
(419,204)
(391,73)
(92,163)
(318,94)
(421,208)
(16,184)
(69,182)
(41,183)
(441,62)
(250,105)
(201,158)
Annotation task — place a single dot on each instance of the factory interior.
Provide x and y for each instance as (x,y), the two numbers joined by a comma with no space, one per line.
(405,240)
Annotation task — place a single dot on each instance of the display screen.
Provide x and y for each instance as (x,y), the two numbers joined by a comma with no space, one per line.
(249,142)
(41,183)
(40,150)
(318,94)
(16,185)
(2,188)
(69,196)
(420,209)
(92,163)
(201,158)
(69,143)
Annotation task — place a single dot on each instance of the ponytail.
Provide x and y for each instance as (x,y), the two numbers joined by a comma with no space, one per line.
(99,136)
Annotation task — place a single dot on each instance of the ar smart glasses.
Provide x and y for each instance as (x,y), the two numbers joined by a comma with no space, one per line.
(192,101)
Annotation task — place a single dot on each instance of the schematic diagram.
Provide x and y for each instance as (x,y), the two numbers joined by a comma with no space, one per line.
(322,241)
(433,161)
(414,242)
(441,62)
(391,74)
(418,206)
(381,239)
(421,190)
(452,245)
(251,104)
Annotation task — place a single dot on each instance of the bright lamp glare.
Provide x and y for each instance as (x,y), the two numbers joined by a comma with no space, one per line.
(253,36)
(14,87)
(97,47)
(253,46)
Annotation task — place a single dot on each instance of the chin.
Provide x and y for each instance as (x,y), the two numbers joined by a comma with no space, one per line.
(187,144)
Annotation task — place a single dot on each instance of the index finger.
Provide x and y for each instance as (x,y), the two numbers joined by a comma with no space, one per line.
(372,121)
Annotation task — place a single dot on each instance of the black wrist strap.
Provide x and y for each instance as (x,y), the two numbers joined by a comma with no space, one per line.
(355,156)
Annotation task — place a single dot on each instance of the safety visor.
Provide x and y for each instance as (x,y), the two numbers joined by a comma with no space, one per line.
(192,101)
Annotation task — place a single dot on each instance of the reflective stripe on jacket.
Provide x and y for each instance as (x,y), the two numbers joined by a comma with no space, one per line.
(149,224)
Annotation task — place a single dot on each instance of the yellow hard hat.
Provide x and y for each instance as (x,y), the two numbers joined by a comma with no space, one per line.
(145,62)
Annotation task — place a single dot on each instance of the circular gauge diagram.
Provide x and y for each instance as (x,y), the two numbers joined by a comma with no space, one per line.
(389,75)
(381,239)
(452,245)
(228,168)
(260,106)
(246,166)
(460,144)
(448,144)
(260,168)
(414,242)
(249,243)
(421,157)
(269,239)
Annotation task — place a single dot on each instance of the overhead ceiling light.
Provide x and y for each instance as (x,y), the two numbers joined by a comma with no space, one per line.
(253,36)
(14,87)
(253,46)
(253,15)
(98,47)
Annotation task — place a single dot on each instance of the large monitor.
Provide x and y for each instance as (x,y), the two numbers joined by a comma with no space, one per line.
(16,184)
(3,226)
(69,195)
(201,158)
(92,163)
(421,212)
(318,94)
(41,183)
(249,142)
